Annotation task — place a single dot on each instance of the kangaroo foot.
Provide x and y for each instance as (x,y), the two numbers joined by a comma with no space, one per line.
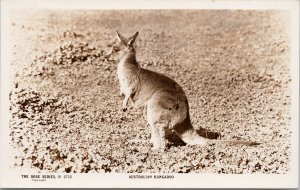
(157,149)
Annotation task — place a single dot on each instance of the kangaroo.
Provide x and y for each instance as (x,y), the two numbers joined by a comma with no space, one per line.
(165,101)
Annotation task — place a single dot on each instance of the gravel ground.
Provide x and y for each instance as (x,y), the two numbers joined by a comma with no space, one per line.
(66,108)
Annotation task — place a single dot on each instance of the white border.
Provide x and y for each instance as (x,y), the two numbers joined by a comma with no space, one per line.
(154,4)
(9,178)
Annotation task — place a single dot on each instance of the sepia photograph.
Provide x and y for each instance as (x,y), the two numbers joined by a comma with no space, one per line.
(149,93)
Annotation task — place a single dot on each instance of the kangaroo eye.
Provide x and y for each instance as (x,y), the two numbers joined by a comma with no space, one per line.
(116,48)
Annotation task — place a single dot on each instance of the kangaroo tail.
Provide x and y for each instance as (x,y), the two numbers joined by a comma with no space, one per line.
(235,142)
(190,136)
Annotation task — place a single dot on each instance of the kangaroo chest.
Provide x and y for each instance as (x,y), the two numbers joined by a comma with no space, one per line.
(126,76)
(121,75)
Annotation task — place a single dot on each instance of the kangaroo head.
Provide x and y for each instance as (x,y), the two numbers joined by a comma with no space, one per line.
(123,45)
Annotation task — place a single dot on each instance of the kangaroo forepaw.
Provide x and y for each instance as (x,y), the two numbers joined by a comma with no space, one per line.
(124,106)
(152,140)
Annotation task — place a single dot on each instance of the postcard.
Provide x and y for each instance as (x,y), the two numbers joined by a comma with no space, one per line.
(149,94)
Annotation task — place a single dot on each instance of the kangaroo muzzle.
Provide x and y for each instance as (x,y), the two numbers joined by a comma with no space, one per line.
(107,56)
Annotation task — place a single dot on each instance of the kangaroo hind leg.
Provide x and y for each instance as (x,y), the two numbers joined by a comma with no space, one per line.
(157,127)
(158,119)
(158,137)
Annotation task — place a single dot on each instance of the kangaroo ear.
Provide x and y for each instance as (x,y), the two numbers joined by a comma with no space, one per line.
(132,38)
(121,38)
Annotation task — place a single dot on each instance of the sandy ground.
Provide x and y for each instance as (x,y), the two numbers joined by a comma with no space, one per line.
(66,108)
